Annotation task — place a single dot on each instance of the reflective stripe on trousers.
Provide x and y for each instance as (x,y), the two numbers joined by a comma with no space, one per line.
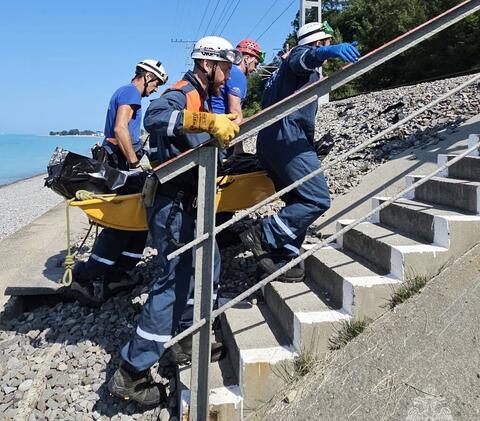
(168,296)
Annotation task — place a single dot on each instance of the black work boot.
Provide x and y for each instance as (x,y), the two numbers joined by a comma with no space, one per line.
(295,274)
(124,282)
(139,387)
(87,293)
(254,240)
(181,352)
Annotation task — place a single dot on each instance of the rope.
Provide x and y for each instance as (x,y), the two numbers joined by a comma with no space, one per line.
(88,195)
(70,257)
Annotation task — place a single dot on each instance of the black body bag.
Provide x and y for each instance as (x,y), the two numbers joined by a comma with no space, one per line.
(69,172)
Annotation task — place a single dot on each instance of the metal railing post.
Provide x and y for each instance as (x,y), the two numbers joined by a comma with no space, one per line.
(204,263)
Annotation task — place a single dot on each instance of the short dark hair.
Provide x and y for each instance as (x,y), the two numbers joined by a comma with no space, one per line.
(139,72)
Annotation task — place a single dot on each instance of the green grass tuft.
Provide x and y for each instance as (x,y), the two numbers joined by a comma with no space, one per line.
(304,363)
(408,289)
(349,330)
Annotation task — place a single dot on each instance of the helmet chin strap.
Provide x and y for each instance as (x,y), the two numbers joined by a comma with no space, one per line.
(145,85)
(210,77)
(247,64)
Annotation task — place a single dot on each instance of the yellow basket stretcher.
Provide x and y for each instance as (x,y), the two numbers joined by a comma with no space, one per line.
(127,212)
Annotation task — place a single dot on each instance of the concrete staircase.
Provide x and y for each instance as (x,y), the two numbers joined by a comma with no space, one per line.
(352,279)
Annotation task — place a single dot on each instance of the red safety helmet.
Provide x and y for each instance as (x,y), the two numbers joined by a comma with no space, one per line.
(251,47)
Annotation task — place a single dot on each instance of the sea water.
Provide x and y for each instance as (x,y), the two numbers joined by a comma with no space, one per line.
(24,156)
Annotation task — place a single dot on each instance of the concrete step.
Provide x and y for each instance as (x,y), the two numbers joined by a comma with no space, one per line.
(393,253)
(467,168)
(450,192)
(261,354)
(305,314)
(225,400)
(431,223)
(351,281)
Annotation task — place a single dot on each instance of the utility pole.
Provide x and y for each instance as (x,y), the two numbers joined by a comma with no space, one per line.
(188,46)
(304,6)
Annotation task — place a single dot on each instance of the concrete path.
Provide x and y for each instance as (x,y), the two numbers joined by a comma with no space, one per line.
(33,256)
(389,178)
(419,362)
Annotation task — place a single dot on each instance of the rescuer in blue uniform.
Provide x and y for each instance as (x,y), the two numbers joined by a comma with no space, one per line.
(285,149)
(230,100)
(177,122)
(234,92)
(117,251)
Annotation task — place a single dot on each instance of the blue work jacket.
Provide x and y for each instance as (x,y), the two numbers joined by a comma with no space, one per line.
(164,122)
(296,71)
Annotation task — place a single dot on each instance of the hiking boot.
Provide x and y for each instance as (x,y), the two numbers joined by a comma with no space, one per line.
(254,240)
(123,282)
(295,274)
(139,387)
(181,352)
(87,293)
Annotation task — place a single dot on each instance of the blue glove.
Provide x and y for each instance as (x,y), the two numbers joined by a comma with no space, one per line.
(344,51)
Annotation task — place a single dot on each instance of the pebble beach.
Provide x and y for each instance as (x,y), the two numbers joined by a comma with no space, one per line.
(22,202)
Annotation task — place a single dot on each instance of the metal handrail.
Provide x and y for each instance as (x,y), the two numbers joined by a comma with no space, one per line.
(200,157)
(242,214)
(316,247)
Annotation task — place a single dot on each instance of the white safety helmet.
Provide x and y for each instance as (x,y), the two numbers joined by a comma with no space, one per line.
(155,67)
(216,49)
(314,31)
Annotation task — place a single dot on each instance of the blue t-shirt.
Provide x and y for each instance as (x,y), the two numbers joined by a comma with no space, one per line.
(126,95)
(236,86)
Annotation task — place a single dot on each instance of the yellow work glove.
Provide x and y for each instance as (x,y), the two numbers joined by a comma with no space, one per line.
(219,126)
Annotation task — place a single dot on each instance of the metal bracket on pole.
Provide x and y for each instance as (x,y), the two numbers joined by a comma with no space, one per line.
(204,256)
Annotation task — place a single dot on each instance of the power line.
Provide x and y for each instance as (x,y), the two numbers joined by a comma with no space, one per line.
(203,18)
(175,19)
(223,13)
(230,17)
(278,17)
(182,17)
(211,17)
(260,20)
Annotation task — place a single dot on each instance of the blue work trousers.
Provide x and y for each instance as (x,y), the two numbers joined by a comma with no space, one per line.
(286,160)
(168,296)
(114,252)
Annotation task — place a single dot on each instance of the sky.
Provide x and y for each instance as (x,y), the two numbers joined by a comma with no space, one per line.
(62,60)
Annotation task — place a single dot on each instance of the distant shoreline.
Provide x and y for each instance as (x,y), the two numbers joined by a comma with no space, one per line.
(23,179)
(75,135)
